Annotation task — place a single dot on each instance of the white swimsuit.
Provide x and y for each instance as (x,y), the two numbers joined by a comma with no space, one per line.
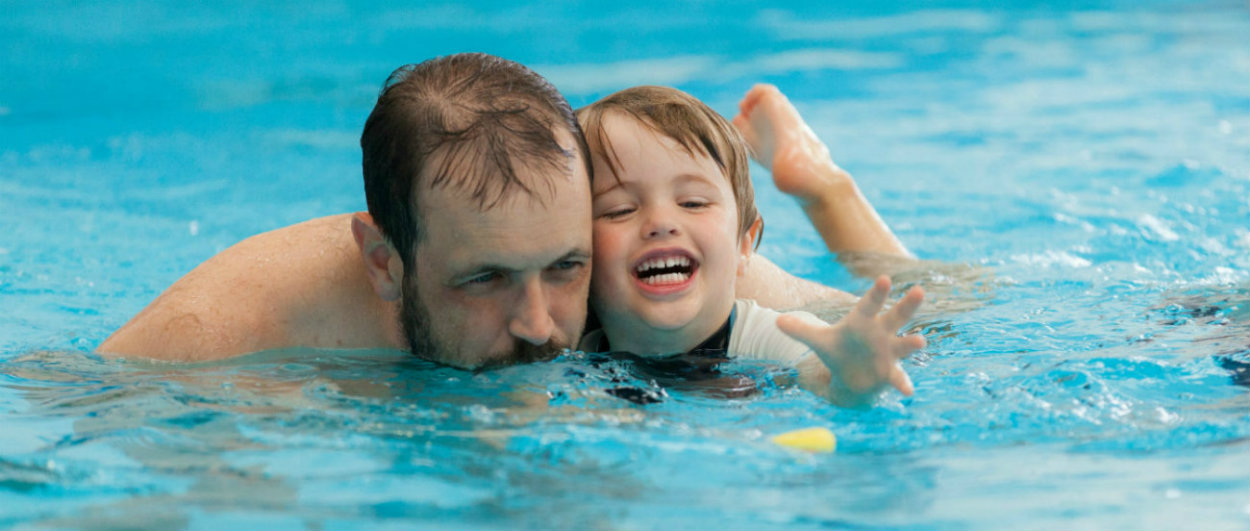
(753,335)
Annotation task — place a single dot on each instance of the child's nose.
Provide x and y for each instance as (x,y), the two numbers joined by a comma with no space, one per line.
(659,225)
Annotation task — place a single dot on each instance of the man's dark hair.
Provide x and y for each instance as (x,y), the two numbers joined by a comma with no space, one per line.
(467,121)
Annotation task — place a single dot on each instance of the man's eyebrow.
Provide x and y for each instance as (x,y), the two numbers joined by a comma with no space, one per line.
(574,254)
(477,269)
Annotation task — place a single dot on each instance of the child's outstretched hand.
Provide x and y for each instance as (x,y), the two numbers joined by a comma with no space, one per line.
(861,352)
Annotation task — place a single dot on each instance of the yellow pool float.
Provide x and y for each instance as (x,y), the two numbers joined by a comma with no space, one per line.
(816,440)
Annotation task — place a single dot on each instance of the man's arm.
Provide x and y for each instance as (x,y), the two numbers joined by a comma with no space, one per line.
(196,320)
(773,287)
(302,285)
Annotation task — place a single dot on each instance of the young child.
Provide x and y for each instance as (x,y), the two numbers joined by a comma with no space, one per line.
(675,224)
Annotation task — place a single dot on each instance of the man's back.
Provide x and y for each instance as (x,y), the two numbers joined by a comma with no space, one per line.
(302,285)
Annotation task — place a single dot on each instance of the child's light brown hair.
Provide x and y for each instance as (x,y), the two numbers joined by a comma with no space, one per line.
(693,125)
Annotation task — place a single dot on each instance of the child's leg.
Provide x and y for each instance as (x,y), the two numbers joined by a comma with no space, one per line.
(801,166)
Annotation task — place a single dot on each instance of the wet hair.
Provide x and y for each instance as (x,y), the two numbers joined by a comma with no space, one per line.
(469,122)
(697,128)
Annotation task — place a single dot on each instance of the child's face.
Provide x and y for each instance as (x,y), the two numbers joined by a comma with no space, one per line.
(666,243)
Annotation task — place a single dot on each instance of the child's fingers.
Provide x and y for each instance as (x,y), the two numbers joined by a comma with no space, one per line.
(901,381)
(902,312)
(871,303)
(908,344)
(811,334)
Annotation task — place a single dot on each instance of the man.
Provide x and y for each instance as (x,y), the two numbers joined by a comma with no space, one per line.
(475,251)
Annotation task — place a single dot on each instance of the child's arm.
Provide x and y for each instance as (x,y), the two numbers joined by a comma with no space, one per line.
(801,166)
(859,355)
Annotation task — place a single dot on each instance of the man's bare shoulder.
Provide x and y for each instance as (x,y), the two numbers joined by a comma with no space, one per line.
(301,285)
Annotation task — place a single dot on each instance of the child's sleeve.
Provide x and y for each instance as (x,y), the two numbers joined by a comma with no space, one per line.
(755,334)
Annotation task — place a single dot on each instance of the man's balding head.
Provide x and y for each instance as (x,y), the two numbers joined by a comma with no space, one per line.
(466,122)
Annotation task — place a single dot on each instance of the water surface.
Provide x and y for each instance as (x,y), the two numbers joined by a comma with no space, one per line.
(1080,169)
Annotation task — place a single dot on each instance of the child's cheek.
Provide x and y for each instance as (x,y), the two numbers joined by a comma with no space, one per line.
(610,253)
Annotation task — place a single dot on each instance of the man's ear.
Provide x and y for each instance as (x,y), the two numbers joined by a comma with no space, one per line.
(747,245)
(383,264)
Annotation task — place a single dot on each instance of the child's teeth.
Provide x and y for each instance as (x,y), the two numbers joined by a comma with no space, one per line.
(667,278)
(663,263)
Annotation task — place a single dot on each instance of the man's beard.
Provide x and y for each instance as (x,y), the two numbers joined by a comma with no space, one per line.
(416,320)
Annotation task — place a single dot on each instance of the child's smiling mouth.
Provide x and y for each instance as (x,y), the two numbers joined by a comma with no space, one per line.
(665,270)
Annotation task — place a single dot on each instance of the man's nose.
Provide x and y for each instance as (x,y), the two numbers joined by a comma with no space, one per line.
(531,319)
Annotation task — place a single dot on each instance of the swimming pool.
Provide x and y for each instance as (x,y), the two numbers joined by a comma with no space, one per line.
(1090,164)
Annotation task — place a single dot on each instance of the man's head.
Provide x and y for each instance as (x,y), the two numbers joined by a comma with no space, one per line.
(477,183)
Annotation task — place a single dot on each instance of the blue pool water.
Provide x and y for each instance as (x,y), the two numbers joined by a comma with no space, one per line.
(1080,172)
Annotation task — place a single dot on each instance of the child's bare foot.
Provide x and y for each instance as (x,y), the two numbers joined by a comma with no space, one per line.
(782,142)
(801,166)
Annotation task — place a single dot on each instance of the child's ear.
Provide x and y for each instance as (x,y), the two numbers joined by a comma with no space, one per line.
(747,245)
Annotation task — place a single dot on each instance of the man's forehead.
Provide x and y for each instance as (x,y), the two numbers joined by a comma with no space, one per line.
(455,211)
(521,244)
(489,173)
(520,230)
(476,178)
